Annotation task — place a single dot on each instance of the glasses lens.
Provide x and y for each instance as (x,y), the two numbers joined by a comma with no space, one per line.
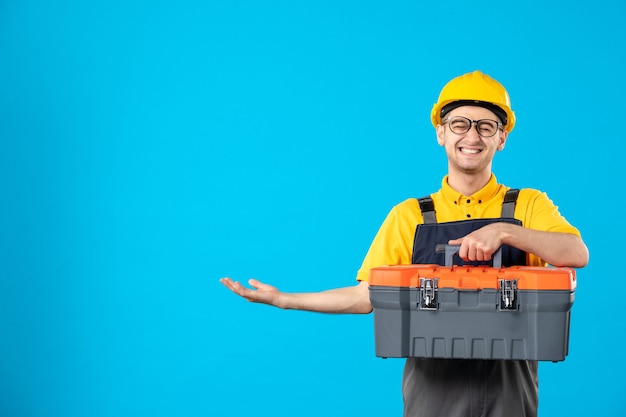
(460,125)
(486,127)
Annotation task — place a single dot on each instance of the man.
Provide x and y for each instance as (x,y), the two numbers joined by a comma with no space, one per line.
(472,118)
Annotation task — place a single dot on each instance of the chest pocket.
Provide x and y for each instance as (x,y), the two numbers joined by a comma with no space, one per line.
(430,234)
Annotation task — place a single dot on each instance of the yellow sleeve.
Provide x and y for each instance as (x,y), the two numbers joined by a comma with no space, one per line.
(393,244)
(538,212)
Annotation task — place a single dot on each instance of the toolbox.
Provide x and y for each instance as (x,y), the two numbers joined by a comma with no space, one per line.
(472,312)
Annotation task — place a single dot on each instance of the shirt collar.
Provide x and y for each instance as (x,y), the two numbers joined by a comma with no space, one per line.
(488,191)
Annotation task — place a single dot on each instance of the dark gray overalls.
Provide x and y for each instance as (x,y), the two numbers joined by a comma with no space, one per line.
(467,387)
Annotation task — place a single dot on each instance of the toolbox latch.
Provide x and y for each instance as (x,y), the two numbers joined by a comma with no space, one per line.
(508,294)
(428,290)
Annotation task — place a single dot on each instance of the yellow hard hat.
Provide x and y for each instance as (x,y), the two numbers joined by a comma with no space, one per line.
(474,89)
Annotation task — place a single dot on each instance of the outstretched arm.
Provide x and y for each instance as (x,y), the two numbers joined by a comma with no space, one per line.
(354,299)
(558,249)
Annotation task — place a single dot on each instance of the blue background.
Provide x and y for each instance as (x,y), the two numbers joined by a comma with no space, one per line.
(148,148)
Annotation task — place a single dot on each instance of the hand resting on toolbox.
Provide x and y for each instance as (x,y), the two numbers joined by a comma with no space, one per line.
(558,249)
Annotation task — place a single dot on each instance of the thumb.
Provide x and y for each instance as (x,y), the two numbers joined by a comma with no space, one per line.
(255,283)
(259,285)
(455,242)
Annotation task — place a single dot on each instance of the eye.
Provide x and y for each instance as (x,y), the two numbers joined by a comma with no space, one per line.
(486,127)
(459,124)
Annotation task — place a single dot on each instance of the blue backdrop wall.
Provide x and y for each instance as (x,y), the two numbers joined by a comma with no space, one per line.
(148,148)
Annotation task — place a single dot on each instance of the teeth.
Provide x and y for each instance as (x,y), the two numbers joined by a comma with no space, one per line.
(470,151)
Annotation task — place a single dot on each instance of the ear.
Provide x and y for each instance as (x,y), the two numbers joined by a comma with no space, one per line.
(440,135)
(503,137)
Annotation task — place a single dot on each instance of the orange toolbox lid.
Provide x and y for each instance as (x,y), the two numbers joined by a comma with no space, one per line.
(474,277)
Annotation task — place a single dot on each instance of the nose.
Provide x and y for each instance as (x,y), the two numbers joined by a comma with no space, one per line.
(472,133)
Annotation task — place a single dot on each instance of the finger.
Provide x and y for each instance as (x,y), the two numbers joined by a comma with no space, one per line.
(258,285)
(470,253)
(244,292)
(227,282)
(462,253)
(484,252)
(463,248)
(235,287)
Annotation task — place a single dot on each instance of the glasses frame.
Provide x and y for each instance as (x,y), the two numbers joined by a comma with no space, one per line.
(472,123)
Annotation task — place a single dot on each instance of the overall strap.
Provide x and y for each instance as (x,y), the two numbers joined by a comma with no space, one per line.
(508,206)
(427,206)
(428,209)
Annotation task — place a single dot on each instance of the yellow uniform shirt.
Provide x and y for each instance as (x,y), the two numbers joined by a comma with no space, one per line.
(393,244)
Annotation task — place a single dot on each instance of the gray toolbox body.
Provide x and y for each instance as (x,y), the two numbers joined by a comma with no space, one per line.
(472,312)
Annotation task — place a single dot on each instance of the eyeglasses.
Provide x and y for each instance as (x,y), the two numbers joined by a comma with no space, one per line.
(485,127)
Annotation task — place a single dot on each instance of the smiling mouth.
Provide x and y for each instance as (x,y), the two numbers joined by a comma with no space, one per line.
(467,151)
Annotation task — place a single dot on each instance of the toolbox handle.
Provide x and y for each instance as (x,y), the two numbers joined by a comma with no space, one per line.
(452,250)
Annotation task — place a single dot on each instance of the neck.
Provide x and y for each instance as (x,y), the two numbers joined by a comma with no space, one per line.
(468,184)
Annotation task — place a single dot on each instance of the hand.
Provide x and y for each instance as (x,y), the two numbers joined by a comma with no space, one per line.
(481,244)
(262,293)
(353,299)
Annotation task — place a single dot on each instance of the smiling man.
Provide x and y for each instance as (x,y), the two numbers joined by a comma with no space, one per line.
(472,118)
